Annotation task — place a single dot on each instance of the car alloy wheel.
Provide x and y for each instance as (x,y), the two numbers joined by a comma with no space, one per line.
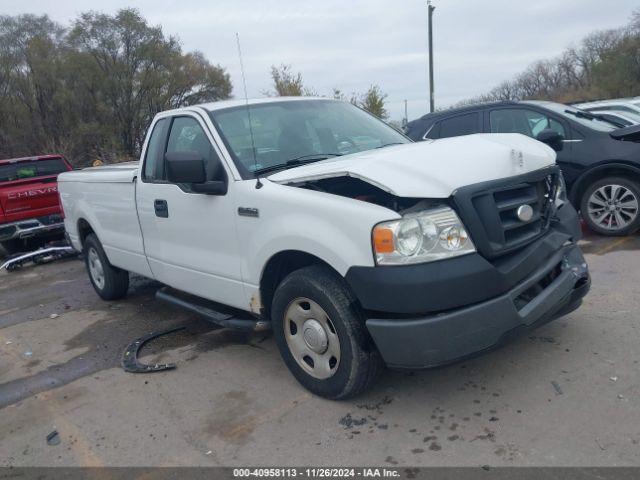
(612,207)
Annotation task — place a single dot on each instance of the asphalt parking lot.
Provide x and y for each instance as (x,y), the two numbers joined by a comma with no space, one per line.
(567,394)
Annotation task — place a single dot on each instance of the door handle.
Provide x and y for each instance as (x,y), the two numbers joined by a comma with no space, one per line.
(162,208)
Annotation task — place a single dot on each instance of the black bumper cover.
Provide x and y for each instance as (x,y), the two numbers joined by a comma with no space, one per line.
(443,338)
(432,314)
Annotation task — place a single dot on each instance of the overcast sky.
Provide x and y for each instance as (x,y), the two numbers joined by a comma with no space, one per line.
(351,44)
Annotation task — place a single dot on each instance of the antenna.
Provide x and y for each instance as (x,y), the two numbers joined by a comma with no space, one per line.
(246,103)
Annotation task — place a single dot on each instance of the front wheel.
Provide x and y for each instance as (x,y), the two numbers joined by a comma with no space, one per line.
(610,206)
(109,282)
(321,334)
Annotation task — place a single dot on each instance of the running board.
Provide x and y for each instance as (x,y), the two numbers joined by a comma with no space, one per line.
(204,308)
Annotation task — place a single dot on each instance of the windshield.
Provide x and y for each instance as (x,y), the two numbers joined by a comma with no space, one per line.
(299,132)
(31,169)
(582,117)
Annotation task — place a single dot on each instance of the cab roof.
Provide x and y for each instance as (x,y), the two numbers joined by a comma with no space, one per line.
(212,106)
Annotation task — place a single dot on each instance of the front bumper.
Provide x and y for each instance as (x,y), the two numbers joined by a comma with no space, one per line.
(33,227)
(552,290)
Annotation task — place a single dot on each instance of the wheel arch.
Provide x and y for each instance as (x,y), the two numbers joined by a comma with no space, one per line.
(278,267)
(618,169)
(84,230)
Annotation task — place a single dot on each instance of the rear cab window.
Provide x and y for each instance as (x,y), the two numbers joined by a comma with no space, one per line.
(32,169)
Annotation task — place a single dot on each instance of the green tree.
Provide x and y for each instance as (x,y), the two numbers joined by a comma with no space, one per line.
(373,101)
(90,91)
(135,72)
(31,81)
(286,83)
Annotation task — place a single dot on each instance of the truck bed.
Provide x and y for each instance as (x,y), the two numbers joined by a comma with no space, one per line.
(105,198)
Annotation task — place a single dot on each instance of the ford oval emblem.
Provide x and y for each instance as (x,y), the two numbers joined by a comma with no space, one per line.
(524,213)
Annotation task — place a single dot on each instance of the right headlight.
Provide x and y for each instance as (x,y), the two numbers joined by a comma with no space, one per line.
(420,237)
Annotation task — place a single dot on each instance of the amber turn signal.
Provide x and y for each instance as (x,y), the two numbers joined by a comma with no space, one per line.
(383,240)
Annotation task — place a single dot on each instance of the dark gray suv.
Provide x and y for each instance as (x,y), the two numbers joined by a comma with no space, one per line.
(599,160)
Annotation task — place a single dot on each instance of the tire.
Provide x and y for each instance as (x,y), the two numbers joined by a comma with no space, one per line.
(624,219)
(109,282)
(357,363)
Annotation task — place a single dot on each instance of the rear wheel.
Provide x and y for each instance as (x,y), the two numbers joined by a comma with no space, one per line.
(610,206)
(110,282)
(321,334)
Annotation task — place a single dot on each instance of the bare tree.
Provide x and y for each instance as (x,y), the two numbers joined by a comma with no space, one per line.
(604,64)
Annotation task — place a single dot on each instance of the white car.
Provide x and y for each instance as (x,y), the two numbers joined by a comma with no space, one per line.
(629,105)
(358,247)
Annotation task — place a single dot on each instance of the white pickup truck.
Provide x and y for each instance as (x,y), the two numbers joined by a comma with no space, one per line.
(356,246)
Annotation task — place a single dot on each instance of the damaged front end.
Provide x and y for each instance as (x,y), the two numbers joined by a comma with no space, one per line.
(353,187)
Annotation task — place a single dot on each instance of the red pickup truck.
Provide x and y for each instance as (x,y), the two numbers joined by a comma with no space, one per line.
(29,201)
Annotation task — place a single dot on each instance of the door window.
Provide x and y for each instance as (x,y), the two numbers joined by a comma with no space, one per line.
(188,136)
(155,150)
(460,125)
(524,121)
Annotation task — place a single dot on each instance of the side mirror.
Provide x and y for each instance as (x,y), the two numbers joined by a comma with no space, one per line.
(185,167)
(551,138)
(189,168)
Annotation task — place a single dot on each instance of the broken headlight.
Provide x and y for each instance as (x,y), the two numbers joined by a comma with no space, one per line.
(420,237)
(561,191)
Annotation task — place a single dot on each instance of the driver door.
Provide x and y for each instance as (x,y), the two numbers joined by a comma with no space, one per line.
(189,238)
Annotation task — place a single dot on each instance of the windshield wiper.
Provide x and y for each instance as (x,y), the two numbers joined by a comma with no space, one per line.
(301,160)
(593,116)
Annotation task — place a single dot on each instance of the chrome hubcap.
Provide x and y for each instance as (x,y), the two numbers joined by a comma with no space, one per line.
(612,207)
(311,338)
(95,268)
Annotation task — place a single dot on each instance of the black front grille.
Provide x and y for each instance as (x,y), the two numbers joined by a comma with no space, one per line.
(489,210)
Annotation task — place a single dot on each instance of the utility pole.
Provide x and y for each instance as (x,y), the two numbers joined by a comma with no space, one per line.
(406,116)
(431,8)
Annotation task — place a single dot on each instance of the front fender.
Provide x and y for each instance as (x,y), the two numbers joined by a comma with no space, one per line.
(333,228)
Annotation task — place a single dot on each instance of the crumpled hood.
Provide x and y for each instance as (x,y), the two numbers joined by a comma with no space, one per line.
(432,169)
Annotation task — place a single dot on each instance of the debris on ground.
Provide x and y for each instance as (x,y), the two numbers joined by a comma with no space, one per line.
(50,253)
(130,362)
(349,422)
(613,379)
(53,438)
(54,315)
(556,387)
